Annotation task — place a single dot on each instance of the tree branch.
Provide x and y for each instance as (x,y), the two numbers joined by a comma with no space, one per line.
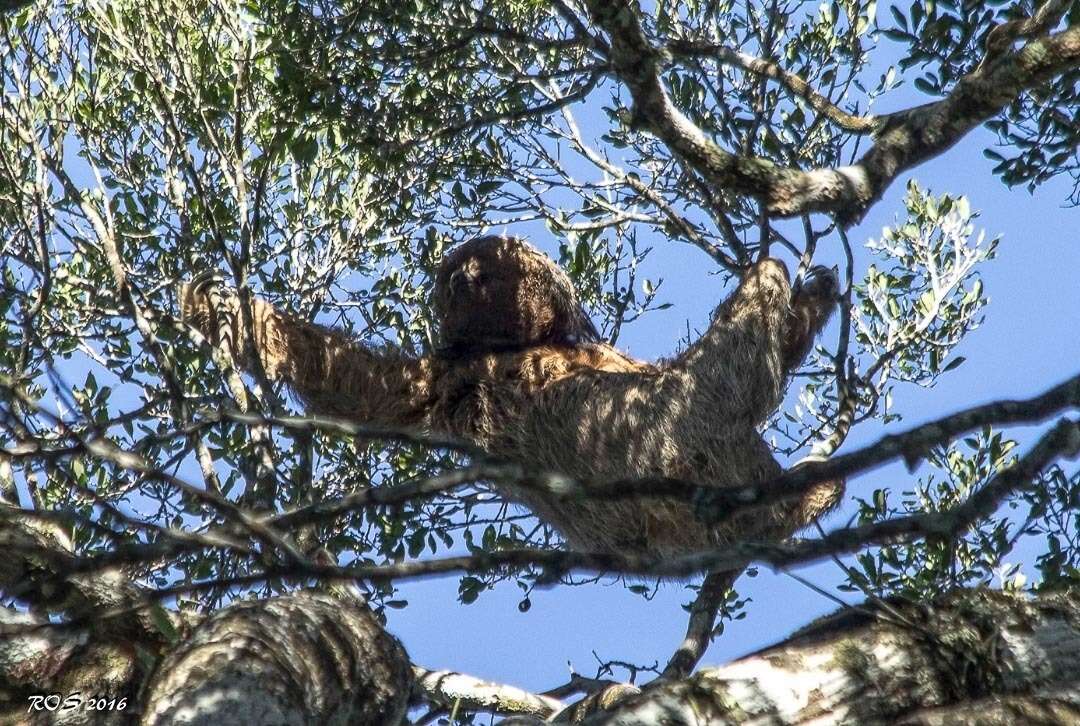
(37,569)
(910,445)
(449,688)
(795,84)
(853,667)
(699,629)
(905,139)
(1063,439)
(305,657)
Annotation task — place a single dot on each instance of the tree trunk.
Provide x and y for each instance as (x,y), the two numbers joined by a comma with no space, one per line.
(980,657)
(305,658)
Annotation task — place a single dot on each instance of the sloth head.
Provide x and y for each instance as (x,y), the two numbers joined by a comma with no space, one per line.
(501,293)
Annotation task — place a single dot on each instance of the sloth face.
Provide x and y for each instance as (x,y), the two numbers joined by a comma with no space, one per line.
(497,293)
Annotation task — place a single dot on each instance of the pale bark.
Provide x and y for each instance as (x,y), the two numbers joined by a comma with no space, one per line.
(307,658)
(903,140)
(36,660)
(450,689)
(39,567)
(979,657)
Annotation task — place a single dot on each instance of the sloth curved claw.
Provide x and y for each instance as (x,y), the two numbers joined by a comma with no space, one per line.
(821,282)
(204,281)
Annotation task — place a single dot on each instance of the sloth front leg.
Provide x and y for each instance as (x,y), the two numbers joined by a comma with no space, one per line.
(331,373)
(739,367)
(736,370)
(812,304)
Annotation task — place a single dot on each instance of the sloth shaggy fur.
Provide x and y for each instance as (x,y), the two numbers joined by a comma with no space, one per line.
(521,373)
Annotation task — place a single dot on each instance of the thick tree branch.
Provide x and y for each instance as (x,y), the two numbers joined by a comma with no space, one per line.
(905,140)
(36,659)
(967,653)
(38,569)
(853,667)
(1004,36)
(296,659)
(447,688)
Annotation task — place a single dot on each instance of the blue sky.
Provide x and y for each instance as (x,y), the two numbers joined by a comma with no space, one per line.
(1028,341)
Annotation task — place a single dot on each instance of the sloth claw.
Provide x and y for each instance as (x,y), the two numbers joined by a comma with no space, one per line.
(821,282)
(205,281)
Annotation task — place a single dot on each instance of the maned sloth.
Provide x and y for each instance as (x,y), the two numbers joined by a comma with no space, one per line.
(521,373)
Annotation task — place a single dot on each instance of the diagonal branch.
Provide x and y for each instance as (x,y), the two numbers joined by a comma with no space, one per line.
(910,445)
(794,83)
(1004,36)
(699,629)
(1062,440)
(37,570)
(905,140)
(451,689)
(1008,659)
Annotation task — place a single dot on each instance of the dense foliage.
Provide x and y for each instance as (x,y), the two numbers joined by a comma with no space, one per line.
(323,155)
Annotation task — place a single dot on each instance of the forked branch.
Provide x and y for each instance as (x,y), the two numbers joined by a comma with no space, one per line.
(904,140)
